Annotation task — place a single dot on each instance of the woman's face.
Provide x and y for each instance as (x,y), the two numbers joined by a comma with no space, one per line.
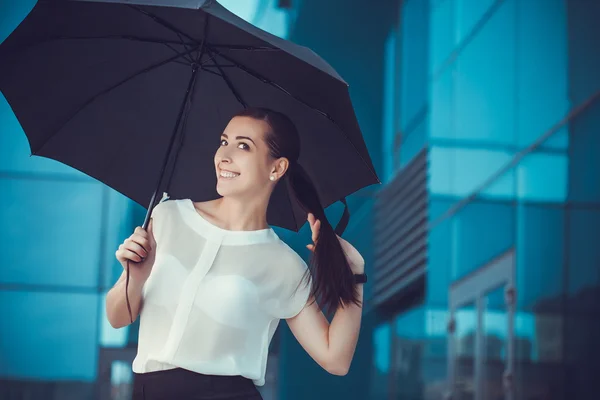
(242,162)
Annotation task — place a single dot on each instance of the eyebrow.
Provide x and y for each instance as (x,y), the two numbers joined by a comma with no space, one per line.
(239,137)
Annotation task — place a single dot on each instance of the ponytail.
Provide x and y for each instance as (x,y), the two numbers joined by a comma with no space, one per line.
(332,277)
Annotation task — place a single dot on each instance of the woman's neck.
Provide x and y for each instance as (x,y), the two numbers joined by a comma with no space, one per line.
(238,215)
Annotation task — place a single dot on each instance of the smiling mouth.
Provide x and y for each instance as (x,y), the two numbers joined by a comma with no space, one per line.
(228,175)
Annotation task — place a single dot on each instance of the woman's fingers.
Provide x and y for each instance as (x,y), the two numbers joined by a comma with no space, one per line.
(315,231)
(124,254)
(137,245)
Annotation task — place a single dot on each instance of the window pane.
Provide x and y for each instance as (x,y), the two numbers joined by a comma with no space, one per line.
(584,256)
(485,82)
(52,336)
(481,230)
(413,143)
(415,50)
(442,106)
(459,172)
(542,177)
(389,81)
(443,33)
(542,92)
(584,162)
(469,12)
(54,229)
(540,257)
(382,340)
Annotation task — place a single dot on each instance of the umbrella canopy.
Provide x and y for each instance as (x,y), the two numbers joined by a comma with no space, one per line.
(136,94)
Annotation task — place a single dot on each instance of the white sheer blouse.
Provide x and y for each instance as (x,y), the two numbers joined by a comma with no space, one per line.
(215,297)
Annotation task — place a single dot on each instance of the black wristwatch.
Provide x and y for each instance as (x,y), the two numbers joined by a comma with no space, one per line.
(360,278)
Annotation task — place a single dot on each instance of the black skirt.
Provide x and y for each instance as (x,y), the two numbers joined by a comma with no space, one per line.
(182,384)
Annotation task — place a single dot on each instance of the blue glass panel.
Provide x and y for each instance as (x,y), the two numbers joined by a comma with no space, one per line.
(389,130)
(415,50)
(440,259)
(469,12)
(382,336)
(49,336)
(584,57)
(442,106)
(474,167)
(459,171)
(540,257)
(485,82)
(443,33)
(542,70)
(51,232)
(584,255)
(543,177)
(481,231)
(584,161)
(411,324)
(441,167)
(413,143)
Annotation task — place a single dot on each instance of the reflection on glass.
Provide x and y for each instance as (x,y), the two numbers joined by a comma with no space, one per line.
(465,320)
(121,381)
(494,336)
(380,370)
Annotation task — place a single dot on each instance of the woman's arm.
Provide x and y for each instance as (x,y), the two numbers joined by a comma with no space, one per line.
(332,345)
(117,312)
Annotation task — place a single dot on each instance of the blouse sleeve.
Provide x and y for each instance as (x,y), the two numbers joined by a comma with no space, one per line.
(297,288)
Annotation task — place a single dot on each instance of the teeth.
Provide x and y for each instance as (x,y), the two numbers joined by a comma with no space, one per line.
(226,174)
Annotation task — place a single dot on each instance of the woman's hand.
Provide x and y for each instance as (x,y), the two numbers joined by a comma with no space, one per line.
(355,260)
(140,250)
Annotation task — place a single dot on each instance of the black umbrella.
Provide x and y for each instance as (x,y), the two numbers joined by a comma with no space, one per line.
(136,94)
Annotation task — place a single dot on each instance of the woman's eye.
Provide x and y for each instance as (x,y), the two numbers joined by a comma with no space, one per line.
(223,141)
(243,146)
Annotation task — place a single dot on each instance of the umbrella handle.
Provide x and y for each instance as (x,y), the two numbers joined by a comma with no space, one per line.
(127,293)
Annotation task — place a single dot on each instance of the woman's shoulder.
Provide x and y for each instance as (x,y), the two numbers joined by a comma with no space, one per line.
(286,255)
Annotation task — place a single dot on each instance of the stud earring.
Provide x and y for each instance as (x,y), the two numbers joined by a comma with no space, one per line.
(272,178)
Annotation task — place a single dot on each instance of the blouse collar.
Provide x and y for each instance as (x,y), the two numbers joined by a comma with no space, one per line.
(208,230)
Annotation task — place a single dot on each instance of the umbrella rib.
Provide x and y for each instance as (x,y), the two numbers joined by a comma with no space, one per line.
(104,37)
(209,71)
(116,85)
(189,60)
(164,23)
(256,75)
(229,83)
(244,48)
(221,65)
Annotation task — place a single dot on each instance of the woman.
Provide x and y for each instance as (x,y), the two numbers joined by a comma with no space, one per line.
(211,280)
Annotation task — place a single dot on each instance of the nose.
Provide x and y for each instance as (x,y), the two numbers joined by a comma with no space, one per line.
(222,157)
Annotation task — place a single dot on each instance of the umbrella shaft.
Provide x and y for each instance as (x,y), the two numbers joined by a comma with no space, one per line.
(182,115)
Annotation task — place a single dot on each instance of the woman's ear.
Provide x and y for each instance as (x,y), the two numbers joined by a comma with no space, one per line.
(281,166)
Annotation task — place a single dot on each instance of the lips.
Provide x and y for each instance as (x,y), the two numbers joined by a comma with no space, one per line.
(226,174)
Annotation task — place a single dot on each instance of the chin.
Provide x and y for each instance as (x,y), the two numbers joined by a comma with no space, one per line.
(227,190)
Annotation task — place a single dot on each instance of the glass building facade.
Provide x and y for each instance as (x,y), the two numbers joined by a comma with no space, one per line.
(504,98)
